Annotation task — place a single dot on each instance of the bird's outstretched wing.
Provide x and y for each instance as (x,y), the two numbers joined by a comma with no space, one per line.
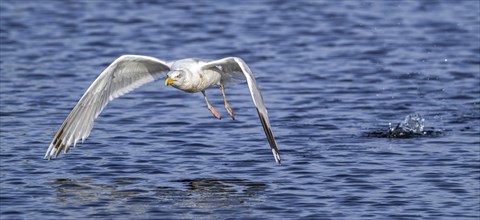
(232,65)
(122,76)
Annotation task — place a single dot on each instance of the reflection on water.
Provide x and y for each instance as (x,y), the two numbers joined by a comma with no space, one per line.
(83,190)
(206,193)
(221,193)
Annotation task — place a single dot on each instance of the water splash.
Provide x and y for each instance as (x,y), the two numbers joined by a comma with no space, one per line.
(413,123)
(412,126)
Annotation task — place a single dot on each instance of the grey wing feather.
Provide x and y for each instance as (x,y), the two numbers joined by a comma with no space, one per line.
(122,76)
(233,65)
(232,74)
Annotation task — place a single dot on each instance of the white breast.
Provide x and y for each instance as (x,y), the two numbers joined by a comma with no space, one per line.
(209,78)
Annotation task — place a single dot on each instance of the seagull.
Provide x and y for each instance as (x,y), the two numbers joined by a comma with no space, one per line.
(129,72)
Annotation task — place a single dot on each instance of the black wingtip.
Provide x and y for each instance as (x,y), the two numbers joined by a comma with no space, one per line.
(270,138)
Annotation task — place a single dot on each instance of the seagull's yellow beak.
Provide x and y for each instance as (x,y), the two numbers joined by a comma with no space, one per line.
(169,81)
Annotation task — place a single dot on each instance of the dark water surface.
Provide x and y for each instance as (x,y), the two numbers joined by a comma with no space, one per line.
(330,72)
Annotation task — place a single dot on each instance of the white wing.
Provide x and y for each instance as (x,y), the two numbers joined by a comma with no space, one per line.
(232,65)
(122,76)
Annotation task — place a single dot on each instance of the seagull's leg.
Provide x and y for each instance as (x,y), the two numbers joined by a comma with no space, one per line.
(211,108)
(227,106)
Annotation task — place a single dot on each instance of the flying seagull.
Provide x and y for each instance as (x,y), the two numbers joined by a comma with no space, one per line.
(131,71)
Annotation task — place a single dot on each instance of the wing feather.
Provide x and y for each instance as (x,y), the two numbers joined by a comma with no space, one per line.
(231,66)
(122,76)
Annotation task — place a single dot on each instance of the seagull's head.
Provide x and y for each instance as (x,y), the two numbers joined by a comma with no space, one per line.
(175,78)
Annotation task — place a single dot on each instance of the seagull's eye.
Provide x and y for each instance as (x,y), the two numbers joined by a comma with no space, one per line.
(178,76)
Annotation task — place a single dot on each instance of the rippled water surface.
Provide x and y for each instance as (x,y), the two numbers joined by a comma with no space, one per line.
(331,72)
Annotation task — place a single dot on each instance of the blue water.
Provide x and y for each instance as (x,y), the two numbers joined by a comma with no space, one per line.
(330,73)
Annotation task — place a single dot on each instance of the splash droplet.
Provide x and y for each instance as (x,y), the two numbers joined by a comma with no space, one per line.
(413,123)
